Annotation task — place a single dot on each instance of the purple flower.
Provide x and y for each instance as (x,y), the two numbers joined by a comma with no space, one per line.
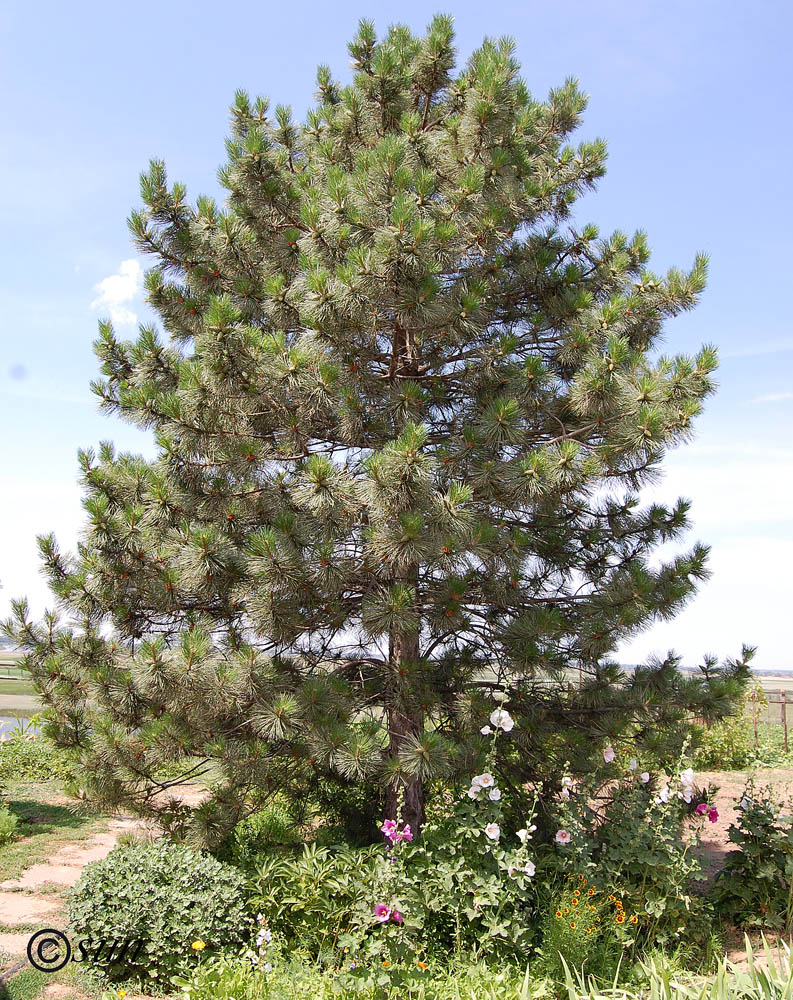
(382,912)
(406,834)
(397,917)
(702,808)
(389,828)
(713,814)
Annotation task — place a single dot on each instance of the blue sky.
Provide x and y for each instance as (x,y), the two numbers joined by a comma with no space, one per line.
(692,98)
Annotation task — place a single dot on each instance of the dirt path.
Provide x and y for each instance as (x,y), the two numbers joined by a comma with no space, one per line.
(35,898)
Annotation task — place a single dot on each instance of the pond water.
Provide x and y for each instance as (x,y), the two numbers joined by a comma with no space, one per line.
(10,722)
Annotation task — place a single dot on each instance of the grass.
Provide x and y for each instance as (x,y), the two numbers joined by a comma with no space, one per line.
(45,825)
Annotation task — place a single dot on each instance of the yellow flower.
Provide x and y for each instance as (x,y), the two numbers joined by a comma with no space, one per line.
(634,919)
(612,899)
(346,949)
(589,930)
(591,892)
(121,993)
(572,924)
(577,892)
(558,913)
(198,945)
(385,963)
(620,918)
(574,902)
(566,910)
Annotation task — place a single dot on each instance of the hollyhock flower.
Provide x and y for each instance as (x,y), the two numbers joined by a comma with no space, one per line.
(493,831)
(565,793)
(633,764)
(567,782)
(388,828)
(530,868)
(687,776)
(686,795)
(485,730)
(405,834)
(702,808)
(713,814)
(485,780)
(662,796)
(608,754)
(645,776)
(563,837)
(523,836)
(473,792)
(382,912)
(501,719)
(397,917)
(494,794)
(745,802)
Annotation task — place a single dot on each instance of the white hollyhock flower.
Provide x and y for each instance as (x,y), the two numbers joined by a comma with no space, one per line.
(645,776)
(745,802)
(662,796)
(566,782)
(523,836)
(473,792)
(493,831)
(563,837)
(529,868)
(608,754)
(687,776)
(633,764)
(494,794)
(485,780)
(485,730)
(501,719)
(565,793)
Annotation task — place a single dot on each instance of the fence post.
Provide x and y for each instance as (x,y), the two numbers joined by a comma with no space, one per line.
(754,717)
(783,713)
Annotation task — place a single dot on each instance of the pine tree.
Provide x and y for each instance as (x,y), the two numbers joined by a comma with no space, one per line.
(403,412)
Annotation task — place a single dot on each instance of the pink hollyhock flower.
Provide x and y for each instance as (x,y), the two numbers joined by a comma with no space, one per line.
(397,917)
(382,912)
(702,808)
(405,834)
(563,837)
(608,754)
(713,814)
(389,828)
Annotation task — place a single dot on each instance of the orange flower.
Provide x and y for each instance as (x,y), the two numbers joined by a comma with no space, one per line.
(574,902)
(620,918)
(558,913)
(619,905)
(566,910)
(589,930)
(572,924)
(612,899)
(577,892)
(634,919)
(422,965)
(591,892)
(385,962)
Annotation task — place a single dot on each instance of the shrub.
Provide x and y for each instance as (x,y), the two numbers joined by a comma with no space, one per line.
(168,895)
(27,757)
(755,888)
(263,832)
(8,824)
(312,899)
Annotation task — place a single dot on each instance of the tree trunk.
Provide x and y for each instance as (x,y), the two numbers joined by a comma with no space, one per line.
(403,722)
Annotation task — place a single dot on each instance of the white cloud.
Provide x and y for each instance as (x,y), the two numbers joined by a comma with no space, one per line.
(118,291)
(772,397)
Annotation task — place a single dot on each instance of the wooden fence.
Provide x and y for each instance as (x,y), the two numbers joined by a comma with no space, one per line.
(770,706)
